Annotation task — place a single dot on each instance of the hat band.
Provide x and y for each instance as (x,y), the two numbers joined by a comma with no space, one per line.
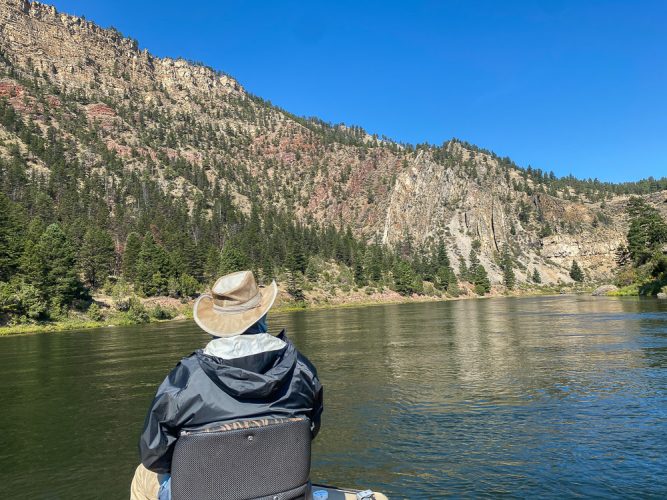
(238,308)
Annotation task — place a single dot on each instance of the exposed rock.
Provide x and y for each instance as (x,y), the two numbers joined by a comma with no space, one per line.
(604,290)
(150,110)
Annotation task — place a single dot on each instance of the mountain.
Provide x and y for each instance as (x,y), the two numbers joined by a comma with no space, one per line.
(124,134)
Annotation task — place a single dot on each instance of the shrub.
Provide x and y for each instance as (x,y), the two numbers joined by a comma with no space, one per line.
(188,286)
(122,304)
(430,290)
(161,313)
(20,302)
(57,310)
(95,312)
(576,273)
(136,311)
(121,293)
(183,286)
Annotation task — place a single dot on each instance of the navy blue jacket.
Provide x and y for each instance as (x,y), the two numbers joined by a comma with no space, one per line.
(204,391)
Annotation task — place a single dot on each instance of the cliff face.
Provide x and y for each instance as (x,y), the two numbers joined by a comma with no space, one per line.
(187,127)
(474,199)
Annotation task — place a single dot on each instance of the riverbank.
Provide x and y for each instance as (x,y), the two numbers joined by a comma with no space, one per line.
(163,309)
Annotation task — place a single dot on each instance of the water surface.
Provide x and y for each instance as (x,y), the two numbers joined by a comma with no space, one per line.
(551,397)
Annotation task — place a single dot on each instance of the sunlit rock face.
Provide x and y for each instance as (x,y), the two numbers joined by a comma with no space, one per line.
(58,70)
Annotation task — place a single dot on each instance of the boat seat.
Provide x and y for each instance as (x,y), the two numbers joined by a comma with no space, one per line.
(267,459)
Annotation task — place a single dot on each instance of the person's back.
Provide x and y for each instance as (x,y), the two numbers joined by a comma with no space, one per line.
(245,373)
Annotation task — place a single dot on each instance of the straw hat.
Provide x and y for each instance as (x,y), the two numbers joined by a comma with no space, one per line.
(235,304)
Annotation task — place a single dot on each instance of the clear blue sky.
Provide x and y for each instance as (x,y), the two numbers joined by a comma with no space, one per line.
(570,86)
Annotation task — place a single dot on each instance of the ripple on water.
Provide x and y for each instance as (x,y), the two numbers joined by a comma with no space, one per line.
(544,397)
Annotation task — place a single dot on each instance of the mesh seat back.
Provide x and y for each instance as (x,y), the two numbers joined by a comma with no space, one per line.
(269,459)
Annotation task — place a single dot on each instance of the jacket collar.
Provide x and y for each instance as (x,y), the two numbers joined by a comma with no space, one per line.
(240,346)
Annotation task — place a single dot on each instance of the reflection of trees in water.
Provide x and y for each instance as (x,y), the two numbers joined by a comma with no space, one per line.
(653,324)
(426,395)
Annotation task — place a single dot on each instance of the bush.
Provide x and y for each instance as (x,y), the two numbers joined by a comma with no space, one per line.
(183,286)
(188,286)
(628,275)
(122,304)
(20,302)
(121,295)
(120,289)
(95,312)
(430,290)
(576,273)
(57,310)
(161,313)
(136,311)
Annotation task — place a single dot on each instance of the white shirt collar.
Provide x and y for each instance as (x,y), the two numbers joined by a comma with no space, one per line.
(239,346)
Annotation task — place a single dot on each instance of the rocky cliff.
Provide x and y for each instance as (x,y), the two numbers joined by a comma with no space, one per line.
(196,130)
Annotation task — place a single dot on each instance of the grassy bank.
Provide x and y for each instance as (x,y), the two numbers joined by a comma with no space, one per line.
(161,309)
(82,323)
(646,289)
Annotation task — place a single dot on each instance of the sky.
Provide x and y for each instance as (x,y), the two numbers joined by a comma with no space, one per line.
(576,87)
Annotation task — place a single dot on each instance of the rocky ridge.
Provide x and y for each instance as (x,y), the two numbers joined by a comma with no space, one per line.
(156,114)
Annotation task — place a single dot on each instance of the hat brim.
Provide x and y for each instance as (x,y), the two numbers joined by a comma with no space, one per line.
(228,325)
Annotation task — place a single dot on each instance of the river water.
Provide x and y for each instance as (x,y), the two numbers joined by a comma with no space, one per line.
(550,397)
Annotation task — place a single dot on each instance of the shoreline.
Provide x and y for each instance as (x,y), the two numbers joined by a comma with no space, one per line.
(185,313)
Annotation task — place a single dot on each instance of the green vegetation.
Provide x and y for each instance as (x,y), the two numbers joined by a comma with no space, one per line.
(508,268)
(131,226)
(643,262)
(536,277)
(476,273)
(66,235)
(576,273)
(569,187)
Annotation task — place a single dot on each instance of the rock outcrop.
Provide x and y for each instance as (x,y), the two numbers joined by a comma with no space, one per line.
(57,69)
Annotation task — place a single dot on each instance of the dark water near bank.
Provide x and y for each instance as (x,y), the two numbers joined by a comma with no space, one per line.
(530,397)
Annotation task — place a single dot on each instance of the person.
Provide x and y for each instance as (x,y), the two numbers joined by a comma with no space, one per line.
(243,373)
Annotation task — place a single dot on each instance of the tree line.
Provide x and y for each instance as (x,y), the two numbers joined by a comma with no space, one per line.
(643,260)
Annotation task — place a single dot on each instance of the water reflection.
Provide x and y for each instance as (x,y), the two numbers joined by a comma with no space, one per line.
(521,397)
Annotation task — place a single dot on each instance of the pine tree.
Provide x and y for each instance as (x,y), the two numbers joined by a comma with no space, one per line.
(153,267)
(443,277)
(481,280)
(212,264)
(576,272)
(404,278)
(442,258)
(30,265)
(131,256)
(647,232)
(232,259)
(373,263)
(463,269)
(58,283)
(359,276)
(537,278)
(10,239)
(96,256)
(506,264)
(453,285)
(473,263)
(294,286)
(267,268)
(296,258)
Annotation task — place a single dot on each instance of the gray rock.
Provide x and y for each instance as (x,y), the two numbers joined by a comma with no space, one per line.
(604,290)
(662,295)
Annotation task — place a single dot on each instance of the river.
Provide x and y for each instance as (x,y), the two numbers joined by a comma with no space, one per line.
(550,397)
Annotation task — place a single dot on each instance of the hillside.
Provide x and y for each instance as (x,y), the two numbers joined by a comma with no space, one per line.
(95,130)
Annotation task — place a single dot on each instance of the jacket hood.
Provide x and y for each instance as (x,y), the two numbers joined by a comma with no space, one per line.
(251,377)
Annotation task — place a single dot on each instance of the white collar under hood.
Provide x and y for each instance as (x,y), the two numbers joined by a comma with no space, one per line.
(240,346)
